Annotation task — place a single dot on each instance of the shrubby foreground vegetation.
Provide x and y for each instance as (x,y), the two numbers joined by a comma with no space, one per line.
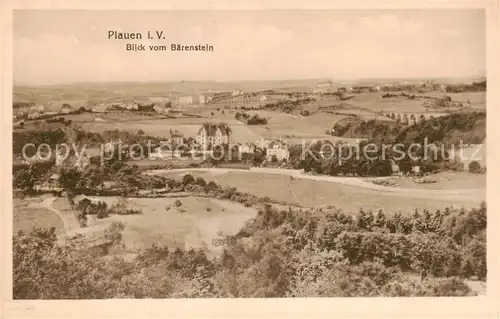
(288,253)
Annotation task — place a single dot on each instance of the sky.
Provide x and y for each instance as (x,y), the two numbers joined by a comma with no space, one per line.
(54,47)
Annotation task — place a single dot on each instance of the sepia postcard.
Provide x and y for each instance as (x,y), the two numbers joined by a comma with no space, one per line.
(249,160)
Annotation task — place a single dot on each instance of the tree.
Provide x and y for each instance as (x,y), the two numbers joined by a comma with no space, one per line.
(28,251)
(114,232)
(188,179)
(274,159)
(24,180)
(69,178)
(474,167)
(84,205)
(200,181)
(211,186)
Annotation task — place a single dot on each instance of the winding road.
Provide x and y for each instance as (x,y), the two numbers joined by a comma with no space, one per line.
(69,221)
(475,195)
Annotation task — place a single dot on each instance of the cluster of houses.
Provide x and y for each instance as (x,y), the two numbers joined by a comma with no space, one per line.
(210,135)
(327,87)
(234,98)
(213,134)
(34,111)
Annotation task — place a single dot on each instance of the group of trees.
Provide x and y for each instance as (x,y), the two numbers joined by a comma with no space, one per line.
(36,137)
(115,167)
(439,133)
(368,158)
(227,154)
(465,127)
(280,253)
(382,131)
(287,106)
(250,119)
(101,209)
(479,86)
(475,167)
(26,176)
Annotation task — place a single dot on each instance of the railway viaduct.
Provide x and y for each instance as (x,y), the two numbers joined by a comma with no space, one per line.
(411,118)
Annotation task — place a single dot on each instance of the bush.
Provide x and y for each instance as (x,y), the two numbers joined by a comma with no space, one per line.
(188,179)
(129,211)
(474,167)
(200,181)
(81,219)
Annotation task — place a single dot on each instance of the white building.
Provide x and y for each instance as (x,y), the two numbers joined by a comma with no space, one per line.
(38,108)
(278,149)
(101,108)
(415,170)
(237,92)
(158,108)
(205,99)
(184,100)
(246,148)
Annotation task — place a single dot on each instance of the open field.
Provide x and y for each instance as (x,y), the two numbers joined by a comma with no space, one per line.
(193,225)
(281,125)
(310,193)
(288,126)
(241,133)
(375,102)
(30,213)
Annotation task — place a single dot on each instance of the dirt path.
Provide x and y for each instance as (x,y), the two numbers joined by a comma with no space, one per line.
(68,219)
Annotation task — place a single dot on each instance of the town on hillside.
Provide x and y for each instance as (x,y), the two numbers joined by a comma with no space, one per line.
(241,172)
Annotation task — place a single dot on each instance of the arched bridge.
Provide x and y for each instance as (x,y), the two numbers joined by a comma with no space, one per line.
(411,118)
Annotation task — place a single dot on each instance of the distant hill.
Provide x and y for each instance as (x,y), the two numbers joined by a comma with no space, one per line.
(102,92)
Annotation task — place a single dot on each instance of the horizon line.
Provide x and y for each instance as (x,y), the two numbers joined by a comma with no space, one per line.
(482,76)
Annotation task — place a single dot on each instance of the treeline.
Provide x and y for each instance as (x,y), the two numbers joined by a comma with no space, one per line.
(78,136)
(286,253)
(100,209)
(47,136)
(368,158)
(250,119)
(468,128)
(287,106)
(479,86)
(383,131)
(115,166)
(141,107)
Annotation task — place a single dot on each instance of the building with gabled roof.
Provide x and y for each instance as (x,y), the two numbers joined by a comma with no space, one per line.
(211,134)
